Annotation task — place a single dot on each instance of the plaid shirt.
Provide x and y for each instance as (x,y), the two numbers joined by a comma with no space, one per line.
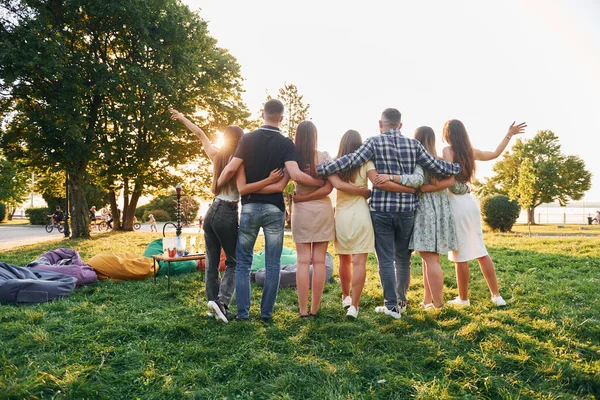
(392,154)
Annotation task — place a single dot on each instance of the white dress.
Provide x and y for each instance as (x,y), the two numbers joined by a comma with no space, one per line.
(469,236)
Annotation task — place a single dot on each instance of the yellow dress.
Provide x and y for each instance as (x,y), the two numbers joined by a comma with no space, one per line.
(312,221)
(353,228)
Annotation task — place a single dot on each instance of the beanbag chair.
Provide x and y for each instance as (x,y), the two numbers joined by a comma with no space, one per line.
(222,266)
(124,265)
(288,256)
(68,262)
(31,285)
(288,273)
(177,267)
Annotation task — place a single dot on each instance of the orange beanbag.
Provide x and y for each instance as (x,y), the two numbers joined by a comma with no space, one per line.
(122,266)
(222,266)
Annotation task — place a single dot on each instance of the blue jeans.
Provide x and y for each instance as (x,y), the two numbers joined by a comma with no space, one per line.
(392,237)
(271,219)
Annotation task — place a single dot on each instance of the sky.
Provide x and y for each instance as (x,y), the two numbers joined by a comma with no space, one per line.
(485,63)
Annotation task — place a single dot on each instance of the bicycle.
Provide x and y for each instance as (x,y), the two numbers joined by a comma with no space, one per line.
(51,225)
(99,224)
(136,224)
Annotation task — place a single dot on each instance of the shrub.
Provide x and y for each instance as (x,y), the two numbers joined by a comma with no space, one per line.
(159,215)
(500,213)
(38,216)
(168,203)
(2,211)
(140,212)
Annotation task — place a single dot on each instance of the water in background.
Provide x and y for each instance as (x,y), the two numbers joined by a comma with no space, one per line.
(573,213)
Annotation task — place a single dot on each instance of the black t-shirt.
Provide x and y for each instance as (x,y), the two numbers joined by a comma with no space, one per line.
(58,215)
(264,150)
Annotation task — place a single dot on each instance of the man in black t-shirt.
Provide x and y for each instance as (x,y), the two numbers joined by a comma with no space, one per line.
(57,216)
(261,152)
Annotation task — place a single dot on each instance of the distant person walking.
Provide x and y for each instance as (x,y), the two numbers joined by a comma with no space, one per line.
(152,220)
(465,209)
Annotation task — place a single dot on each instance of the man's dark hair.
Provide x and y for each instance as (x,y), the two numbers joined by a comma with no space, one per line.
(391,116)
(273,108)
(58,207)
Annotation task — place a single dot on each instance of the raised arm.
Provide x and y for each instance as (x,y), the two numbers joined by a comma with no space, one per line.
(388,186)
(349,188)
(254,187)
(513,130)
(208,146)
(316,195)
(228,172)
(301,177)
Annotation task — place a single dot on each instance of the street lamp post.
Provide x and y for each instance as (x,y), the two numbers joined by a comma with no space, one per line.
(67,232)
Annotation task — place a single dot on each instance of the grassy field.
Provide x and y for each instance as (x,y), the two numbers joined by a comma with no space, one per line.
(137,340)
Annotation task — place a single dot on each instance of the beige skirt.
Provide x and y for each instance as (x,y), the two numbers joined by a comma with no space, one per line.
(312,221)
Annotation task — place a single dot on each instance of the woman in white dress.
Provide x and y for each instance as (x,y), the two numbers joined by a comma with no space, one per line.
(465,209)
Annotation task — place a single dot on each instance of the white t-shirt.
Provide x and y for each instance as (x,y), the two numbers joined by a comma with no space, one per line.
(229,194)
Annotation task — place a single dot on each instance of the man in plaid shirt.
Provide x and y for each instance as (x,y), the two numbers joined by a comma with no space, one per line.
(392,212)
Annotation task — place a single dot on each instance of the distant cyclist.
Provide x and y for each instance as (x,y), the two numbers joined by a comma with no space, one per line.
(57,216)
(93,213)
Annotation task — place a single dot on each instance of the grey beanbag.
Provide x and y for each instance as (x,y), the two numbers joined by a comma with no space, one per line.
(31,285)
(288,273)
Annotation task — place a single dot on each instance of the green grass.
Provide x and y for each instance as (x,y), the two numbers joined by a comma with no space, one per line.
(137,340)
(553,229)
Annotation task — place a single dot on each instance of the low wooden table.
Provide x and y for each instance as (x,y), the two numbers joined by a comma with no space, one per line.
(169,260)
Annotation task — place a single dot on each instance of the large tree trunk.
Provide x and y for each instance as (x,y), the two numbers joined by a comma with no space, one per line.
(531,215)
(129,212)
(79,211)
(114,210)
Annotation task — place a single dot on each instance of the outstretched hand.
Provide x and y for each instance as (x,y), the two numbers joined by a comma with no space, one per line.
(175,115)
(516,129)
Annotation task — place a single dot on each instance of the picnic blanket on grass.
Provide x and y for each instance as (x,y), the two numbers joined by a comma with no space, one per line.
(68,262)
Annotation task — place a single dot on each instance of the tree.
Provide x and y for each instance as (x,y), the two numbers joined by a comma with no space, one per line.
(295,109)
(14,184)
(86,85)
(536,172)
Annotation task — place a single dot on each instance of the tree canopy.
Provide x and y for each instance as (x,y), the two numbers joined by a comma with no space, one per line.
(535,172)
(86,86)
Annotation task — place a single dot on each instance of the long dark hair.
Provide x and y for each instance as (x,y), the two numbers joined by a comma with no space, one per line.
(231,137)
(426,136)
(350,142)
(306,146)
(455,134)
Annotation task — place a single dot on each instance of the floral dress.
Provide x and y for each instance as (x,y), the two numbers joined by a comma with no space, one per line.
(434,229)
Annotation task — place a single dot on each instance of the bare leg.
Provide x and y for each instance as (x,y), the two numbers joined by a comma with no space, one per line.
(462,279)
(358,277)
(345,273)
(434,277)
(302,275)
(318,277)
(427,298)
(489,273)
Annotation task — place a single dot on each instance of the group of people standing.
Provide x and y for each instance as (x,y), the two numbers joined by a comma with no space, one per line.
(418,202)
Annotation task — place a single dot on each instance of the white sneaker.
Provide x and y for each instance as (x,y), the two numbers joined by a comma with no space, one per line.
(352,312)
(217,311)
(402,307)
(210,313)
(346,302)
(392,313)
(459,302)
(498,300)
(431,307)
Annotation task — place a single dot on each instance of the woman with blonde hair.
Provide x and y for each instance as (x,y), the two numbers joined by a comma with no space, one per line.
(354,236)
(312,221)
(221,220)
(465,209)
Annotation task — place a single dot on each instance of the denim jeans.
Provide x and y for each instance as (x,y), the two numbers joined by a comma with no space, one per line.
(220,232)
(271,219)
(392,236)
